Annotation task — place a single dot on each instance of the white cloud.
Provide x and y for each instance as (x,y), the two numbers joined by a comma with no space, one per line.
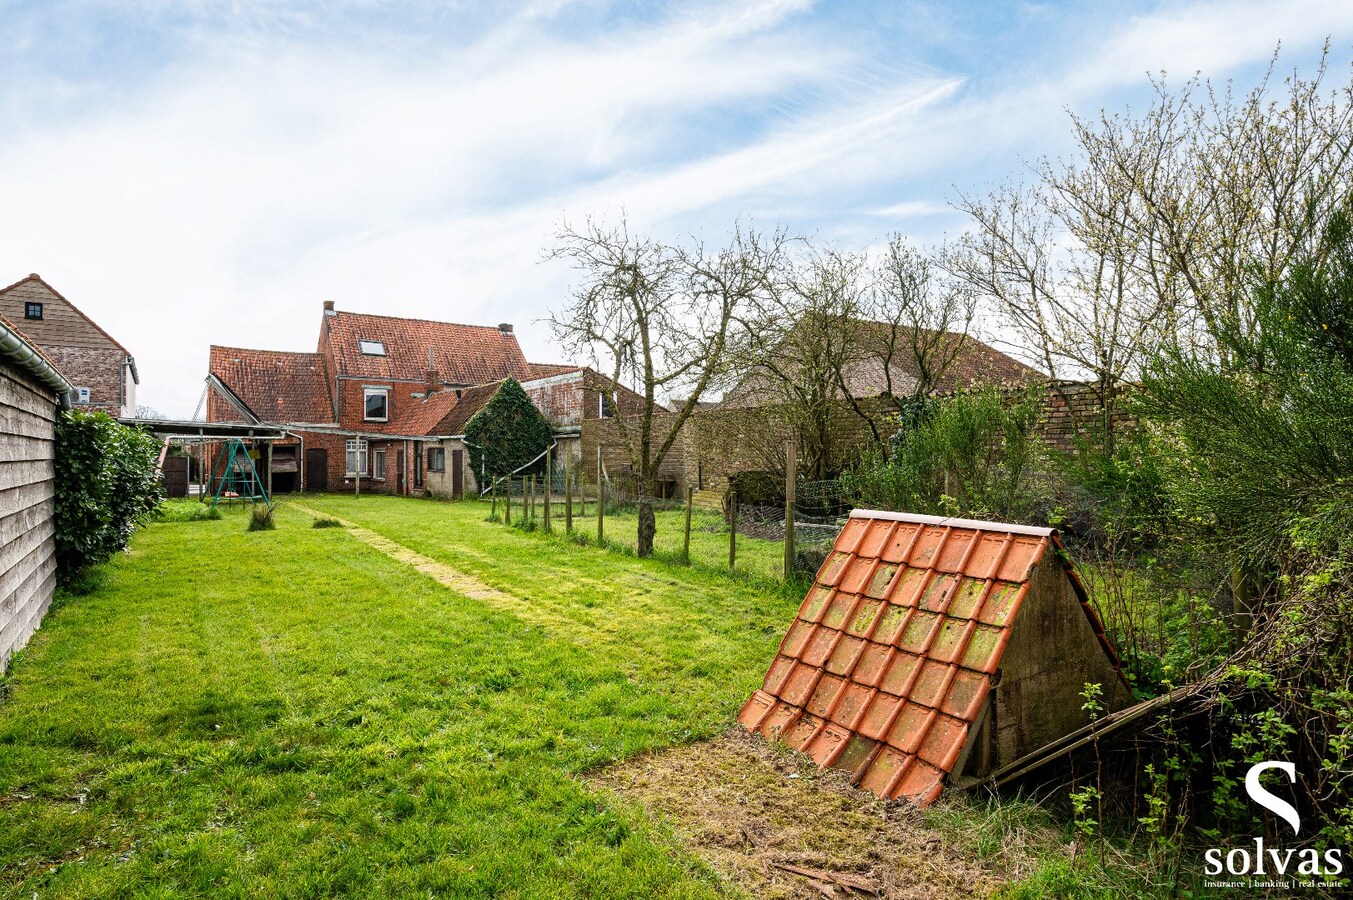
(223,200)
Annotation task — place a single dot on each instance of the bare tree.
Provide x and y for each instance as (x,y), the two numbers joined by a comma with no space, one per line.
(665,319)
(804,337)
(843,341)
(923,316)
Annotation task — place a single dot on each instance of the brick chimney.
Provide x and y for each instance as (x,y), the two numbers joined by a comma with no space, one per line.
(433,384)
(329,308)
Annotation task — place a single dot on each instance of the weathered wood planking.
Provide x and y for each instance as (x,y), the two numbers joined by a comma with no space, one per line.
(27,545)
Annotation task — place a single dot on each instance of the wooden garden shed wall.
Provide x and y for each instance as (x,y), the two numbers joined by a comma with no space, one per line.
(27,470)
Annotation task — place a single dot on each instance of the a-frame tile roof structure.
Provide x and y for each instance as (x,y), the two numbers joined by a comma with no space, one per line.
(887,669)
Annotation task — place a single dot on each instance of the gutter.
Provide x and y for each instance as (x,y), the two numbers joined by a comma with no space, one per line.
(19,351)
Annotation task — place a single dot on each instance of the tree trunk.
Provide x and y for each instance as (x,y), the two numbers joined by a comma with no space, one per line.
(648,524)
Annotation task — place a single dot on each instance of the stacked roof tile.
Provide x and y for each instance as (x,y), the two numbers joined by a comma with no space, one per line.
(889,662)
(462,354)
(276,386)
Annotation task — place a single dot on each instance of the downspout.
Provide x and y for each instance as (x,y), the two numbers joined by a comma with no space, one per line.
(19,351)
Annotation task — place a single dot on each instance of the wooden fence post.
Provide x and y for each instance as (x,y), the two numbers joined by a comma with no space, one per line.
(733,530)
(549,487)
(493,497)
(686,547)
(533,499)
(601,499)
(791,483)
(568,495)
(507,503)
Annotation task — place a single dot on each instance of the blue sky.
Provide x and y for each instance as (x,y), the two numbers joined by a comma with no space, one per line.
(209,172)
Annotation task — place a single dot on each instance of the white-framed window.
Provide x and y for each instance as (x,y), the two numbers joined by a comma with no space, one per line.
(356,458)
(378,463)
(371,348)
(604,408)
(376,404)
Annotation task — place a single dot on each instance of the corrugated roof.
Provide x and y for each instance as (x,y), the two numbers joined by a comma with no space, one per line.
(277,386)
(890,659)
(462,354)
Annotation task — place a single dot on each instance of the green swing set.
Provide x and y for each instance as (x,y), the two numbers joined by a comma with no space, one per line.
(238,479)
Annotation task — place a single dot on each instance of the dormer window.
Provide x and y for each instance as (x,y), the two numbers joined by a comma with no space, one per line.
(32,310)
(371,348)
(376,405)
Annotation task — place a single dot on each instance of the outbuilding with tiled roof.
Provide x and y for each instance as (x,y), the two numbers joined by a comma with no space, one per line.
(933,651)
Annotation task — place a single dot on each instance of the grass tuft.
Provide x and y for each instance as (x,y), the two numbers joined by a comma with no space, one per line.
(327,523)
(261,518)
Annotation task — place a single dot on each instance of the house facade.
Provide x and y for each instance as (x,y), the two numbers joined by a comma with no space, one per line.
(101,371)
(380,405)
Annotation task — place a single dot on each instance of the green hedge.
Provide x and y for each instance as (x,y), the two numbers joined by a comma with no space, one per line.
(105,488)
(507,433)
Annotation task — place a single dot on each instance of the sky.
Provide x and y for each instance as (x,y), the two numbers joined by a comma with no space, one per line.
(191,172)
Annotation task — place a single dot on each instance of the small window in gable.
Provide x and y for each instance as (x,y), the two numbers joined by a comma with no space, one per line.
(376,405)
(371,348)
(604,408)
(32,311)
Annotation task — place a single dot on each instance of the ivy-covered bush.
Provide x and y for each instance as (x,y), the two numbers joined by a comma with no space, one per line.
(105,488)
(507,433)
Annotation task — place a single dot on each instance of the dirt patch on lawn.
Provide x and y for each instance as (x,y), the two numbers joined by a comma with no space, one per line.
(774,825)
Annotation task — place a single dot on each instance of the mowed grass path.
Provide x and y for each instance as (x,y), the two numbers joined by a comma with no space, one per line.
(292,713)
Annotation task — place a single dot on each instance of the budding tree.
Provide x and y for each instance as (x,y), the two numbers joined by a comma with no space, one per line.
(663,319)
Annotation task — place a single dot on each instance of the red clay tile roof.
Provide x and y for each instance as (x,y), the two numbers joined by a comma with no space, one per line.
(974,364)
(277,386)
(416,418)
(472,400)
(891,657)
(463,354)
(545,370)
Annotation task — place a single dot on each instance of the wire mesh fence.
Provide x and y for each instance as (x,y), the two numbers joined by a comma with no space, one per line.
(747,537)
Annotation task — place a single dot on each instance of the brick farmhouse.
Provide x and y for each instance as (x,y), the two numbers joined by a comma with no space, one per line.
(101,370)
(386,400)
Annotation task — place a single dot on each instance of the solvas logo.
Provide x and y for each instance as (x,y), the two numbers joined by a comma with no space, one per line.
(1287,867)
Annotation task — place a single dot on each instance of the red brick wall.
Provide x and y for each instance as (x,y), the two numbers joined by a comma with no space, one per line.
(111,388)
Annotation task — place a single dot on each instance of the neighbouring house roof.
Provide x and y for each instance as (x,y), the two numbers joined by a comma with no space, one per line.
(462,354)
(890,659)
(974,364)
(547,370)
(276,386)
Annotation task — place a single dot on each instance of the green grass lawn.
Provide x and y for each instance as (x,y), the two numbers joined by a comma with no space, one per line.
(292,713)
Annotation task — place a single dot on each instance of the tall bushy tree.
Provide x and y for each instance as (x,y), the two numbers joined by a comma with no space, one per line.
(105,488)
(507,433)
(1262,473)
